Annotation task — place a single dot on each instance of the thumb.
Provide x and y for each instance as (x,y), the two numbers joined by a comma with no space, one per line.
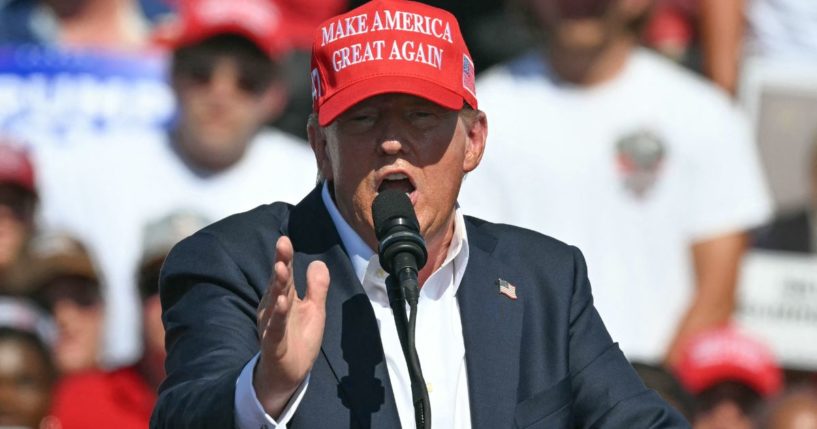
(317,283)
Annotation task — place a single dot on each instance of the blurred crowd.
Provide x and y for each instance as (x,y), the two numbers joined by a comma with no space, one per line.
(618,126)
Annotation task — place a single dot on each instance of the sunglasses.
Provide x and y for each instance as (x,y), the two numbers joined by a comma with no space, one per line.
(20,202)
(253,77)
(81,291)
(738,393)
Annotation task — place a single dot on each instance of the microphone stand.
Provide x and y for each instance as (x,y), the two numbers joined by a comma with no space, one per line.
(407,290)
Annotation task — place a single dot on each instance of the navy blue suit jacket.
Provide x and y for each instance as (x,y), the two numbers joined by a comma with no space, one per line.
(544,360)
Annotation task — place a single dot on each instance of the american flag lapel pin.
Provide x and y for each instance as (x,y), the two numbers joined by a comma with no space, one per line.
(506,289)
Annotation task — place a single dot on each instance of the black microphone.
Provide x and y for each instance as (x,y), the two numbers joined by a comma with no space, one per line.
(402,249)
(403,253)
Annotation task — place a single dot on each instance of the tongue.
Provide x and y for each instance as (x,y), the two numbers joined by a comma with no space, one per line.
(403,185)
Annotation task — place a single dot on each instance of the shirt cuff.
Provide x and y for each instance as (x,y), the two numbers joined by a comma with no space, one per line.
(249,414)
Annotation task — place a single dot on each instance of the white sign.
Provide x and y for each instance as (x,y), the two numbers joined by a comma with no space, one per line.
(777,301)
(781,98)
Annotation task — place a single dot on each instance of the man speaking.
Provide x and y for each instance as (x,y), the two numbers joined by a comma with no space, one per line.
(281,316)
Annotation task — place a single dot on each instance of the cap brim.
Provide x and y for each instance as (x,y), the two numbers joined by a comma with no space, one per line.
(385,84)
(201,34)
(17,182)
(762,381)
(58,266)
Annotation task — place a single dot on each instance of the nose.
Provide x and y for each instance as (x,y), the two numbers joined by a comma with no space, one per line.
(224,80)
(393,138)
(391,146)
(65,313)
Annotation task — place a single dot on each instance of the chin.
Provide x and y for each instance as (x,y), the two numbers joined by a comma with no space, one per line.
(581,35)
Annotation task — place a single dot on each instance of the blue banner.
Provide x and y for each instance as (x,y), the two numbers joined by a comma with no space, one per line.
(50,96)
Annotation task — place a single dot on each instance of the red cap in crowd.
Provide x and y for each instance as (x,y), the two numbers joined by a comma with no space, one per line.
(302,17)
(388,46)
(725,354)
(258,20)
(16,167)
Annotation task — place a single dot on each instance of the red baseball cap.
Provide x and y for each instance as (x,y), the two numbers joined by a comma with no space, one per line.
(16,167)
(388,46)
(725,354)
(258,20)
(302,17)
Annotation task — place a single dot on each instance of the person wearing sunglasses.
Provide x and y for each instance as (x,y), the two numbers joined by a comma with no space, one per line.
(124,397)
(226,77)
(217,157)
(63,280)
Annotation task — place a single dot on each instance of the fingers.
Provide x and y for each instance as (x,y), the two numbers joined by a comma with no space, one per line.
(281,296)
(278,299)
(290,328)
(283,250)
(282,280)
(317,283)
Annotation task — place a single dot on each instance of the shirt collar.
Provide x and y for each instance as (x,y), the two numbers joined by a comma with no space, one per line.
(360,253)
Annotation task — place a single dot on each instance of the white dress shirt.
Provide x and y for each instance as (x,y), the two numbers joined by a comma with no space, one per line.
(439,338)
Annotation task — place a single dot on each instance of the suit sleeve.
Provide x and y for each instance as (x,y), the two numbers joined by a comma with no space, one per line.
(209,313)
(607,391)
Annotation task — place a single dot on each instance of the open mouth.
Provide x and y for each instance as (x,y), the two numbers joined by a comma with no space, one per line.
(399,182)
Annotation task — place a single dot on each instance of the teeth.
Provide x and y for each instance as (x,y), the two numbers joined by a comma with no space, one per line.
(396,176)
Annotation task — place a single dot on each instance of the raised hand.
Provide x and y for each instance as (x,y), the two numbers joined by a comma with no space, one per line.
(290,329)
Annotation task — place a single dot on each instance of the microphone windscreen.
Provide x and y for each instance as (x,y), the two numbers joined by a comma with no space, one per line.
(391,204)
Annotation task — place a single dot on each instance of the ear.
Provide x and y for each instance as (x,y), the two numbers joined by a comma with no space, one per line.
(317,140)
(273,101)
(476,137)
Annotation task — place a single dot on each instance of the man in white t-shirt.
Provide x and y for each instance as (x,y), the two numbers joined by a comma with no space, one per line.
(646,168)
(216,160)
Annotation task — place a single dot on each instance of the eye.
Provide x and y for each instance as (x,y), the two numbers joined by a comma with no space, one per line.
(424,118)
(358,114)
(361,117)
(422,113)
(358,121)
(27,381)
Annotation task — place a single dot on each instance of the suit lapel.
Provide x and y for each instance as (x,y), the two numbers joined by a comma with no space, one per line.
(492,331)
(351,340)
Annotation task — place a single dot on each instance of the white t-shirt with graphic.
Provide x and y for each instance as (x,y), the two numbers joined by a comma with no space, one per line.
(633,172)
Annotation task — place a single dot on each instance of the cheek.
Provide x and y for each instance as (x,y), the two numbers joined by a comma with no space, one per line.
(12,232)
(33,400)
(346,167)
(189,100)
(88,325)
(326,157)
(95,322)
(247,109)
(352,186)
